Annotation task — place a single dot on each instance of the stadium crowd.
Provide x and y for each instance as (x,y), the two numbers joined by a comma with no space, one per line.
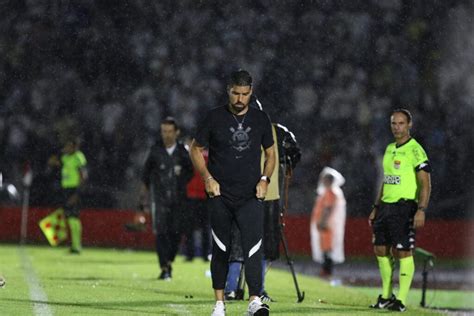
(107,72)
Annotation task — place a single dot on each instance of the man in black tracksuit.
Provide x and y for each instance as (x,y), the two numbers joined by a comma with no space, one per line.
(288,154)
(236,184)
(166,173)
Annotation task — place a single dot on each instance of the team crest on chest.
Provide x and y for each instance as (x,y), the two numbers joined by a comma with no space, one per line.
(396,164)
(240,138)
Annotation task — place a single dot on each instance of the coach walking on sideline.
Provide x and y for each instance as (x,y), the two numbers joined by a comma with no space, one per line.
(399,209)
(234,134)
(166,172)
(287,155)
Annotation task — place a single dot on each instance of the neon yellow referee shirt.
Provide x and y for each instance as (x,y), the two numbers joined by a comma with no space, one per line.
(70,171)
(399,171)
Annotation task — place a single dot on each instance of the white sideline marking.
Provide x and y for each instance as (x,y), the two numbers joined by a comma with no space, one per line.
(180,309)
(37,295)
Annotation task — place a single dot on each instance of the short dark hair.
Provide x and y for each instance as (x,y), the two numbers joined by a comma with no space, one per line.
(169,120)
(72,140)
(405,112)
(240,78)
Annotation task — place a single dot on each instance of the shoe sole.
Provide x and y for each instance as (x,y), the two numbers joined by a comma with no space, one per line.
(230,299)
(385,306)
(262,312)
(397,309)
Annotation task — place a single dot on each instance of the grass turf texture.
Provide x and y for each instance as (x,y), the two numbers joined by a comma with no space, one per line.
(120,282)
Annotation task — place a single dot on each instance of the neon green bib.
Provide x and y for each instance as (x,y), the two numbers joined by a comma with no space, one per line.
(70,172)
(399,172)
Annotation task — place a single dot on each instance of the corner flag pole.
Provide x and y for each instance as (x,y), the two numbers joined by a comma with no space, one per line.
(27,180)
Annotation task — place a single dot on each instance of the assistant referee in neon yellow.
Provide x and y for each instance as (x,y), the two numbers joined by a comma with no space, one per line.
(73,176)
(399,209)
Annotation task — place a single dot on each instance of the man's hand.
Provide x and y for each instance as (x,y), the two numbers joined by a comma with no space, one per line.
(53,161)
(372,216)
(322,225)
(213,187)
(419,219)
(262,187)
(138,224)
(143,198)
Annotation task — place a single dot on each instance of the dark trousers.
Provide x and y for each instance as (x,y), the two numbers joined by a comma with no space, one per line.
(71,208)
(271,234)
(168,233)
(196,217)
(248,215)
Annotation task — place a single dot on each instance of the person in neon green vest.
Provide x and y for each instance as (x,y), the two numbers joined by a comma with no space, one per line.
(73,175)
(399,209)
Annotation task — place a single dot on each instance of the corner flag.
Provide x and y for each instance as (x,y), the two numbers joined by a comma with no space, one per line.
(54,227)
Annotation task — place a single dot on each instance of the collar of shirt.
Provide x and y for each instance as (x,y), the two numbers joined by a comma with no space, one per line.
(171,149)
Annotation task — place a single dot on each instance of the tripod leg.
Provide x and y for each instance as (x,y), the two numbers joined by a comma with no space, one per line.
(424,283)
(240,292)
(290,264)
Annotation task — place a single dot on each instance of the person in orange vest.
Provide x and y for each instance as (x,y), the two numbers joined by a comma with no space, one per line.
(328,220)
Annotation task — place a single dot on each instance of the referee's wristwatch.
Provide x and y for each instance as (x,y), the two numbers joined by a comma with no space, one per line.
(265,178)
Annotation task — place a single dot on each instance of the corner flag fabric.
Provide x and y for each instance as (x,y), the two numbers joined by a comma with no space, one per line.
(54,227)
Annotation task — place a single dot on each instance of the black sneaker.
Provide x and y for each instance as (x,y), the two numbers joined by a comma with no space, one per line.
(265,298)
(383,303)
(230,296)
(165,275)
(257,308)
(397,306)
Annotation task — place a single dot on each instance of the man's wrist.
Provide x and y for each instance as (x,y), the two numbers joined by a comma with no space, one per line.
(208,178)
(265,178)
(376,206)
(421,208)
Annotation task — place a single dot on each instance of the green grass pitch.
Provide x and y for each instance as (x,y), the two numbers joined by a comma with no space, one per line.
(121,282)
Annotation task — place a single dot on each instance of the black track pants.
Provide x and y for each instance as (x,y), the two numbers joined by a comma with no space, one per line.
(248,214)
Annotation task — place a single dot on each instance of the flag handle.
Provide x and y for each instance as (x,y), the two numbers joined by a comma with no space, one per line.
(24,215)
